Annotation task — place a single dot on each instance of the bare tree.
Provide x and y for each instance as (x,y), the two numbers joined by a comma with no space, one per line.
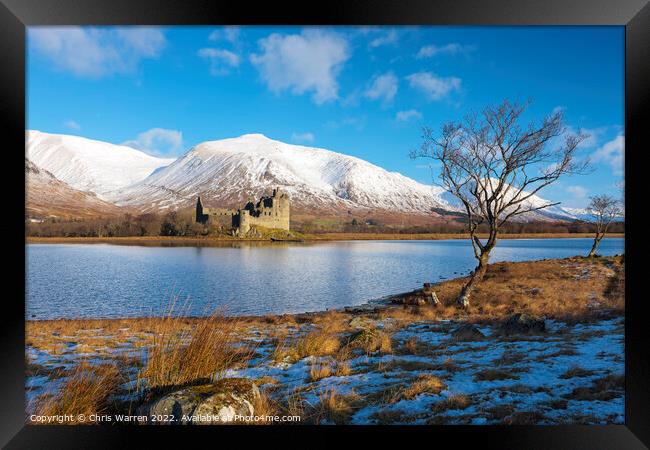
(495,166)
(604,209)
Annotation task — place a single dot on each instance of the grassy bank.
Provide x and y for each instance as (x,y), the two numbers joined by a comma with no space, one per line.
(221,240)
(390,363)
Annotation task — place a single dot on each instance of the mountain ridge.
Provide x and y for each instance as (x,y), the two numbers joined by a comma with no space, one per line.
(228,172)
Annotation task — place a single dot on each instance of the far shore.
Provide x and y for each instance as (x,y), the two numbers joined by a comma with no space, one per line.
(220,240)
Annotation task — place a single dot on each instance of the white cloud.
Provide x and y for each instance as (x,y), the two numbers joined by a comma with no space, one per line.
(405,116)
(387,38)
(158,141)
(96,52)
(307,62)
(303,137)
(593,136)
(71,124)
(433,86)
(612,153)
(221,60)
(578,192)
(358,123)
(229,33)
(383,87)
(430,51)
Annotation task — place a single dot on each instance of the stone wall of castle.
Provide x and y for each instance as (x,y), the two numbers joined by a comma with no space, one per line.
(270,212)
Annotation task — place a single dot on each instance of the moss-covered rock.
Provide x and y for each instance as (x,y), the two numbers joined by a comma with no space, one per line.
(213,403)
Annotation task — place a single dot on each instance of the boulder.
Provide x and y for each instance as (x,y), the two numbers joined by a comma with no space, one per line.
(523,324)
(233,398)
(215,403)
(467,332)
(176,404)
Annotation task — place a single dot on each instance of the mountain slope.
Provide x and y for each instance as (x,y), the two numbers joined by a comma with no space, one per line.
(89,165)
(226,172)
(49,197)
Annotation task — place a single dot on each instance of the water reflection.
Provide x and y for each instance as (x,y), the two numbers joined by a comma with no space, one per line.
(93,280)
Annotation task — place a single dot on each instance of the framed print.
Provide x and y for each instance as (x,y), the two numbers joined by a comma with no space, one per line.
(376,219)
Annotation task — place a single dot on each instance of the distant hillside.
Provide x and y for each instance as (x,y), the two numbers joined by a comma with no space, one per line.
(47,196)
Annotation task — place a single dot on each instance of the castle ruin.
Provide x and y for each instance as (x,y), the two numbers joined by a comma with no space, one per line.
(269,212)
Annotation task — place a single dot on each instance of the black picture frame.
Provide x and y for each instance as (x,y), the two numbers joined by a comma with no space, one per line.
(15,15)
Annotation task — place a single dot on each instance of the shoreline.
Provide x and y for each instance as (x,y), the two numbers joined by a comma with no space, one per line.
(325,237)
(417,298)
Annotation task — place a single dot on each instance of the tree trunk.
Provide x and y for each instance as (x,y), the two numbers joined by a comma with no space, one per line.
(592,253)
(477,276)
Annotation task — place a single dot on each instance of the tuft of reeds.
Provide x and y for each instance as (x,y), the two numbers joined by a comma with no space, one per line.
(181,355)
(86,391)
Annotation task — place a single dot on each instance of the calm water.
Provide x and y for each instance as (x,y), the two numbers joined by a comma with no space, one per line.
(72,280)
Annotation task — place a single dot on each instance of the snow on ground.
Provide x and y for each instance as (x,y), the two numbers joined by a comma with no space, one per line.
(572,373)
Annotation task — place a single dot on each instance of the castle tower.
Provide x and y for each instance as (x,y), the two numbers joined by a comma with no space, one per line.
(200,216)
(244,221)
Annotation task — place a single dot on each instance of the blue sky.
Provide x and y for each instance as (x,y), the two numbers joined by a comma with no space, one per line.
(363,91)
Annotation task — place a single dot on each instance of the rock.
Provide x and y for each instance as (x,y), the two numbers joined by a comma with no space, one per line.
(523,324)
(176,404)
(236,397)
(217,402)
(467,332)
(535,291)
(410,299)
(362,323)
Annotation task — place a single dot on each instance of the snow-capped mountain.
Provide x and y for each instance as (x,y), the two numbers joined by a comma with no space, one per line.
(89,165)
(48,196)
(226,172)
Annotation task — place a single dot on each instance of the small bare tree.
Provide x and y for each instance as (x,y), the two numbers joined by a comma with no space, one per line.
(495,167)
(604,209)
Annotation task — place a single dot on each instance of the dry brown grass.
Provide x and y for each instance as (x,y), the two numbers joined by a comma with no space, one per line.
(264,408)
(319,370)
(86,391)
(494,374)
(372,340)
(334,407)
(315,343)
(181,355)
(219,240)
(332,321)
(457,401)
(266,379)
(603,389)
(342,369)
(576,372)
(411,346)
(424,384)
(553,288)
